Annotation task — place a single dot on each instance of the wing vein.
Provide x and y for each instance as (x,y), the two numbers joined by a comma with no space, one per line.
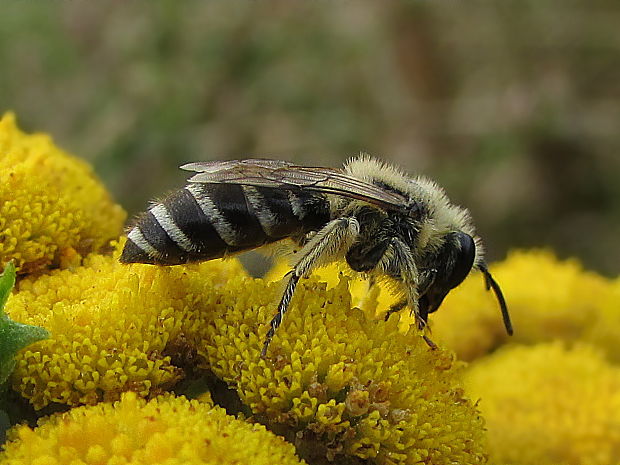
(281,174)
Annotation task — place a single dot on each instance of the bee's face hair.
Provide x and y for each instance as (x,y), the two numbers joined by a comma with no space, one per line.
(442,217)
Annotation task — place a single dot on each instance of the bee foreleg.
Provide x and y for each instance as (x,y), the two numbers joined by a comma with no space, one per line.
(426,280)
(325,246)
(400,262)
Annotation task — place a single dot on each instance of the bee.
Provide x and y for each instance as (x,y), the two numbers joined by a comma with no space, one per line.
(383,223)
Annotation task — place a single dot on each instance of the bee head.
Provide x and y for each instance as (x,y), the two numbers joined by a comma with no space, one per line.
(452,264)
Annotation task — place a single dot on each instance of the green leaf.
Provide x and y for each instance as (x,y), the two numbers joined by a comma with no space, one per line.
(13,336)
(7,281)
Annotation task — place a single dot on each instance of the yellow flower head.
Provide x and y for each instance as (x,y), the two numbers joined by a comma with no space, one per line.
(335,380)
(166,430)
(53,210)
(113,328)
(548,299)
(340,382)
(604,331)
(546,404)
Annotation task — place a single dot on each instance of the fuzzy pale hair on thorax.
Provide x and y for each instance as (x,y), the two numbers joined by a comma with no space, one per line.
(444,217)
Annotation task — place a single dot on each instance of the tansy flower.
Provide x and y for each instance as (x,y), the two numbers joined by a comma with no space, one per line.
(14,336)
(340,383)
(168,430)
(546,404)
(335,381)
(548,299)
(53,210)
(113,327)
(604,330)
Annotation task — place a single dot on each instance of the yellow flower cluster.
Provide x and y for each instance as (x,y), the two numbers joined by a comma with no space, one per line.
(544,404)
(53,210)
(604,330)
(549,405)
(338,381)
(167,430)
(113,327)
(548,299)
(335,380)
(341,382)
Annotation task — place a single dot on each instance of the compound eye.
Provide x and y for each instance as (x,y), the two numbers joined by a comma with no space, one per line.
(464,259)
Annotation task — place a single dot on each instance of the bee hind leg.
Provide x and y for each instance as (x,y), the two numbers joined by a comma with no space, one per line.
(324,246)
(282,307)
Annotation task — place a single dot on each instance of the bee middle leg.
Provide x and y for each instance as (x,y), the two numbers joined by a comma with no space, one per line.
(395,308)
(426,279)
(324,246)
(421,322)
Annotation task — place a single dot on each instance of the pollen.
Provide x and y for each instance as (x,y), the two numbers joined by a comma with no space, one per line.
(168,429)
(53,210)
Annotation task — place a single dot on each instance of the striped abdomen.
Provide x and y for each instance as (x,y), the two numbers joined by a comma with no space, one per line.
(206,221)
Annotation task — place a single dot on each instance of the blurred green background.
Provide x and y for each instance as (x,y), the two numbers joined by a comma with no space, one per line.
(514,107)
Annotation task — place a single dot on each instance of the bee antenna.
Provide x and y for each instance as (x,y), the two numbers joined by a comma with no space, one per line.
(492,284)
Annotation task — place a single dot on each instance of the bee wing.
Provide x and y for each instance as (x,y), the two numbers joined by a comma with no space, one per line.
(224,165)
(286,175)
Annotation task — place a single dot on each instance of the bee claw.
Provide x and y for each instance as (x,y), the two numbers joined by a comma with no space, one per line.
(430,343)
